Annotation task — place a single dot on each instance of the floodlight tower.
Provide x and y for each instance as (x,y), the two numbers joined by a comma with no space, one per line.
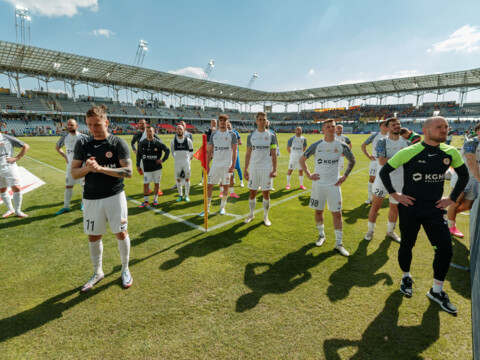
(22,25)
(141,51)
(208,69)
(252,80)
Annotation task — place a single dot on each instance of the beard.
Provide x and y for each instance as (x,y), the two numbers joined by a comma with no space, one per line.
(438,138)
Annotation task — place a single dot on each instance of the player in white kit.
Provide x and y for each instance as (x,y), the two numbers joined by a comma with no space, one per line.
(339,136)
(372,168)
(261,158)
(326,181)
(385,149)
(9,175)
(69,140)
(222,150)
(296,146)
(181,149)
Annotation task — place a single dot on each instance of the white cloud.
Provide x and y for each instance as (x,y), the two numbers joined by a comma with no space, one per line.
(55,8)
(401,74)
(311,72)
(190,71)
(102,32)
(465,39)
(351,82)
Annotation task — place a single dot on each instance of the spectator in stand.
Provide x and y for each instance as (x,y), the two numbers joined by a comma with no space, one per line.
(410,135)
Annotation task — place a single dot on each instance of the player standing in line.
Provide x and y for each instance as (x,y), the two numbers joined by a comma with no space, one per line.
(372,168)
(237,166)
(150,153)
(386,148)
(339,136)
(421,203)
(471,156)
(104,160)
(9,175)
(296,146)
(261,158)
(69,140)
(222,150)
(182,150)
(326,181)
(411,136)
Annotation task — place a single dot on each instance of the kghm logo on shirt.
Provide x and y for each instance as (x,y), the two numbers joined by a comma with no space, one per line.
(429,178)
(220,148)
(260,147)
(327,161)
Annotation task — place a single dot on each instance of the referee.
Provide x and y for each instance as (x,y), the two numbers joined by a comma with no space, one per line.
(421,203)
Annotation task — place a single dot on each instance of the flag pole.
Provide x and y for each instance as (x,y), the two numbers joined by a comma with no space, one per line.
(205,182)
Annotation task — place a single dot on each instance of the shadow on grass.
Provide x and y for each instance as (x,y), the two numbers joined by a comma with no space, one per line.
(54,307)
(360,270)
(360,212)
(460,279)
(385,339)
(209,244)
(279,278)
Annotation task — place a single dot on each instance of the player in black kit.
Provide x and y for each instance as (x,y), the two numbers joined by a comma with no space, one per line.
(150,153)
(104,160)
(421,202)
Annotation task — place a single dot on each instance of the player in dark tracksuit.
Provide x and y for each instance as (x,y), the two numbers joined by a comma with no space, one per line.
(421,202)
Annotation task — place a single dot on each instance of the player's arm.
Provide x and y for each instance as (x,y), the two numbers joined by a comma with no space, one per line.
(125,171)
(248,155)
(473,165)
(167,153)
(22,152)
(139,159)
(58,148)
(172,148)
(289,145)
(462,181)
(78,169)
(364,147)
(190,149)
(351,163)
(273,154)
(133,142)
(234,158)
(397,160)
(303,162)
(209,155)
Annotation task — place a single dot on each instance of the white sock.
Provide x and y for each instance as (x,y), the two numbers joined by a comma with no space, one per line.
(451,223)
(371,226)
(266,207)
(321,229)
(391,226)
(124,248)
(288,179)
(301,180)
(67,198)
(338,236)
(155,197)
(96,251)
(179,188)
(7,200)
(251,204)
(407,274)
(209,201)
(437,288)
(223,203)
(145,198)
(231,190)
(17,201)
(370,185)
(187,188)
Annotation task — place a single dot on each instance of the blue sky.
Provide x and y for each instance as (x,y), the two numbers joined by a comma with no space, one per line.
(292,45)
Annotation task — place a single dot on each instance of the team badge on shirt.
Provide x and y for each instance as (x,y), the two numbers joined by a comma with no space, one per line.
(108,154)
(446,161)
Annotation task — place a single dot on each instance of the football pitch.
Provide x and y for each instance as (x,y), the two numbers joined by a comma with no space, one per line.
(236,291)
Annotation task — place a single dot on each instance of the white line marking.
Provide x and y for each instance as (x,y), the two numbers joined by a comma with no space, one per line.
(195,226)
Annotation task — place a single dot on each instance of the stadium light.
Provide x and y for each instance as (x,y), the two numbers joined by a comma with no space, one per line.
(252,80)
(22,25)
(208,69)
(84,70)
(141,51)
(56,65)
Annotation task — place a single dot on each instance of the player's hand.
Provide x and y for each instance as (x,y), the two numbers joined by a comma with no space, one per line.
(159,161)
(444,202)
(92,165)
(231,169)
(273,174)
(12,160)
(313,177)
(372,157)
(139,169)
(246,175)
(405,200)
(135,151)
(341,180)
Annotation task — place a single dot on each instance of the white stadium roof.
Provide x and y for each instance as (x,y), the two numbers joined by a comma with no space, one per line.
(21,60)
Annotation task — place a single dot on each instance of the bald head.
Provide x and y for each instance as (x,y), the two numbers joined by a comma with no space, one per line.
(435,130)
(72,126)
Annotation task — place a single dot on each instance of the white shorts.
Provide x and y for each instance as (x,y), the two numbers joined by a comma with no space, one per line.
(9,177)
(260,178)
(152,176)
(219,175)
(341,165)
(294,163)
(372,168)
(471,189)
(97,212)
(185,167)
(322,194)
(70,181)
(379,189)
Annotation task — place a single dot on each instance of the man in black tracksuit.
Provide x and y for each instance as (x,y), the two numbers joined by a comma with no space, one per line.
(150,153)
(421,202)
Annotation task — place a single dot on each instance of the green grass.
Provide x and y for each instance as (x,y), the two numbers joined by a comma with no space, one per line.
(241,291)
